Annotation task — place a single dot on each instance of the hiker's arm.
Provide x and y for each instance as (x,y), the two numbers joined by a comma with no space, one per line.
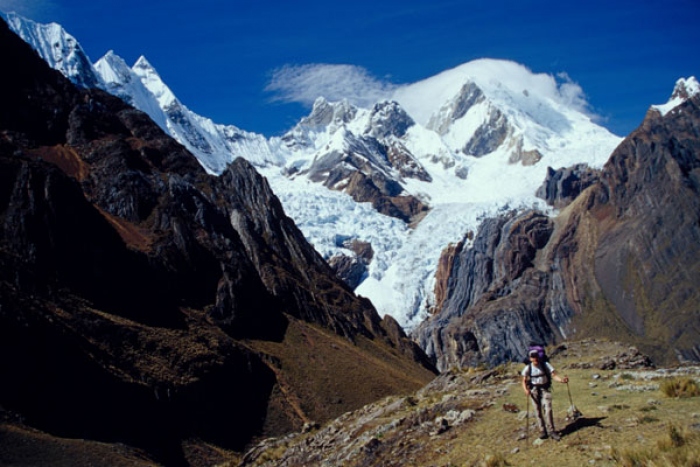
(525,386)
(556,377)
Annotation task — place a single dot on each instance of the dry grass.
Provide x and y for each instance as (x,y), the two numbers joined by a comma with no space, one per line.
(626,421)
(325,375)
(680,448)
(27,447)
(680,387)
(625,417)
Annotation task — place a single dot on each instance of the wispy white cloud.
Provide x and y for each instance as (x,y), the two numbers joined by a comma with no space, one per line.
(571,93)
(305,83)
(37,10)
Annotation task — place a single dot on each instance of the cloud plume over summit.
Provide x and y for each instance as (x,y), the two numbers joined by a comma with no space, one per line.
(304,83)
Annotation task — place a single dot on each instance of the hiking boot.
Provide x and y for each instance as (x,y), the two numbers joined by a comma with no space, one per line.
(556,436)
(544,435)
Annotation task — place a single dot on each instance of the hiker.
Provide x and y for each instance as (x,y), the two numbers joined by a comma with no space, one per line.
(537,384)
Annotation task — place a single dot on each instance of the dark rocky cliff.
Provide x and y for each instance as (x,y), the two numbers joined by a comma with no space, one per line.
(143,301)
(621,260)
(493,295)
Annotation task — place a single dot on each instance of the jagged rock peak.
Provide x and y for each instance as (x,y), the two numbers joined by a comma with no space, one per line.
(685,88)
(324,113)
(469,95)
(388,118)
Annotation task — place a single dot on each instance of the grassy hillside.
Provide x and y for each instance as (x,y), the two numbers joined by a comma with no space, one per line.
(322,375)
(478,418)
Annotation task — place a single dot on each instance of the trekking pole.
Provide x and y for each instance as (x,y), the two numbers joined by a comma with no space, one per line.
(573,412)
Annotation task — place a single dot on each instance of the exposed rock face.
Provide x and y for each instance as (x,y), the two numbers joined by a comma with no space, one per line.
(388,119)
(647,257)
(526,157)
(324,113)
(489,136)
(469,96)
(621,261)
(361,170)
(562,186)
(367,165)
(493,296)
(146,302)
(353,269)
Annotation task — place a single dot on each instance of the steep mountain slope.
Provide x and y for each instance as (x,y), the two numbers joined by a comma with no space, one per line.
(143,301)
(621,260)
(462,145)
(60,50)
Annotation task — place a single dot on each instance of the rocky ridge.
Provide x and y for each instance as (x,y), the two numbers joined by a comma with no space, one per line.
(146,302)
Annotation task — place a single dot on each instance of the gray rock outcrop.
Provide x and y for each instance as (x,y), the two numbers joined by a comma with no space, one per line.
(621,260)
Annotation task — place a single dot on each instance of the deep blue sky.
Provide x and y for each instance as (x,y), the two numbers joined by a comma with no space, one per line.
(219,56)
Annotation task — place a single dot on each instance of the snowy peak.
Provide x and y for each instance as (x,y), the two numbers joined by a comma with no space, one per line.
(121,81)
(144,66)
(214,145)
(323,121)
(503,82)
(471,123)
(113,69)
(153,82)
(360,152)
(58,48)
(488,106)
(684,90)
(462,145)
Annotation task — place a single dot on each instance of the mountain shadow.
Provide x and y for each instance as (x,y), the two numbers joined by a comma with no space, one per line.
(147,303)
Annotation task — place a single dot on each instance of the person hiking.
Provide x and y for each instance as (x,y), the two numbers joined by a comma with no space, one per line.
(537,384)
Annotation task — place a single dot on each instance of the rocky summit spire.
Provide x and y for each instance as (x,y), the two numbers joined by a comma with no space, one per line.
(685,89)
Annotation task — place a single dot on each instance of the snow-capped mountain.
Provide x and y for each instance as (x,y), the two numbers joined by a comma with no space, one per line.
(58,48)
(684,89)
(409,175)
(214,145)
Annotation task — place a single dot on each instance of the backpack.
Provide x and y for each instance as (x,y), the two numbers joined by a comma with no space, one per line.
(541,352)
(543,359)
